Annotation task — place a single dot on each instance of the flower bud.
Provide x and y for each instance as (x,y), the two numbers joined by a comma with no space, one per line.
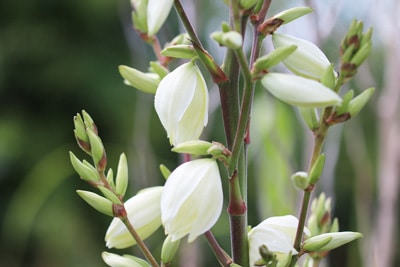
(343,107)
(307,60)
(300,180)
(291,14)
(157,13)
(181,102)
(115,260)
(145,82)
(329,241)
(273,58)
(85,171)
(316,170)
(247,4)
(165,171)
(179,51)
(144,213)
(360,101)
(194,147)
(97,150)
(169,249)
(80,133)
(139,15)
(299,91)
(110,195)
(277,233)
(192,199)
(99,203)
(230,39)
(310,117)
(121,180)
(157,68)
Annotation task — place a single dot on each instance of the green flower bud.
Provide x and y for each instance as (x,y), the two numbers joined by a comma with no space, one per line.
(139,15)
(165,171)
(361,54)
(194,147)
(316,170)
(291,14)
(179,51)
(115,260)
(366,37)
(156,68)
(99,203)
(169,249)
(307,60)
(329,78)
(329,241)
(310,117)
(247,4)
(273,58)
(343,107)
(121,180)
(231,39)
(87,173)
(145,82)
(360,101)
(97,150)
(334,226)
(225,27)
(300,180)
(110,178)
(89,123)
(80,133)
(299,91)
(109,195)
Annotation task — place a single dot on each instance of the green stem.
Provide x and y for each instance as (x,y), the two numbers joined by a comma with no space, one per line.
(139,241)
(220,254)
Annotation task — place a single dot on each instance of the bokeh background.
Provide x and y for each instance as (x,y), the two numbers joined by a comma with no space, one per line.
(59,57)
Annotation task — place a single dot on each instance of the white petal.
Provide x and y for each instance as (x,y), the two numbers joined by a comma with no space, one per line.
(157,13)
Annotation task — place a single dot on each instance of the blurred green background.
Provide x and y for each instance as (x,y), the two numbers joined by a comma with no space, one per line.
(59,57)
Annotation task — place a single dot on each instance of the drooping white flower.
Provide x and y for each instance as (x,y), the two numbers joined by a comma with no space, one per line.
(299,91)
(157,13)
(181,102)
(116,260)
(277,233)
(144,213)
(192,199)
(307,60)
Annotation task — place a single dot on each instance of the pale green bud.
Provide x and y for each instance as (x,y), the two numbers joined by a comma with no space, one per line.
(343,107)
(179,51)
(99,203)
(139,15)
(110,178)
(329,77)
(273,58)
(157,13)
(158,69)
(89,123)
(366,37)
(194,147)
(300,180)
(192,199)
(361,54)
(165,171)
(310,117)
(115,260)
(299,91)
(329,241)
(247,4)
(145,82)
(291,14)
(80,129)
(110,195)
(181,103)
(144,213)
(169,249)
(121,179)
(97,150)
(335,226)
(316,170)
(225,27)
(87,173)
(360,101)
(182,38)
(307,60)
(230,39)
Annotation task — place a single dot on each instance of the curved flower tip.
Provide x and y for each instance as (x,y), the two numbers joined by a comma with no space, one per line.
(181,102)
(192,199)
(144,213)
(157,13)
(299,91)
(277,233)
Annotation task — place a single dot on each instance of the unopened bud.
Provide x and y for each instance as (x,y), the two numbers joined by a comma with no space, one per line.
(194,147)
(158,69)
(360,101)
(329,77)
(109,195)
(343,107)
(231,39)
(317,169)
(310,117)
(273,58)
(97,150)
(329,241)
(145,82)
(291,14)
(300,180)
(99,203)
(247,4)
(179,51)
(169,249)
(316,243)
(165,171)
(87,173)
(121,179)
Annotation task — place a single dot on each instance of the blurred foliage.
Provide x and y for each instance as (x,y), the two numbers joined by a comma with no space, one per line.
(59,57)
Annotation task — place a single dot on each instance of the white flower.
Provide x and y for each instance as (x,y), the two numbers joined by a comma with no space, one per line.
(277,233)
(157,13)
(307,60)
(192,199)
(299,91)
(181,102)
(115,260)
(144,213)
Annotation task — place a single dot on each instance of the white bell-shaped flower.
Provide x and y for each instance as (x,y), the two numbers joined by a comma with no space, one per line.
(192,199)
(277,233)
(144,213)
(307,60)
(181,102)
(299,91)
(157,13)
